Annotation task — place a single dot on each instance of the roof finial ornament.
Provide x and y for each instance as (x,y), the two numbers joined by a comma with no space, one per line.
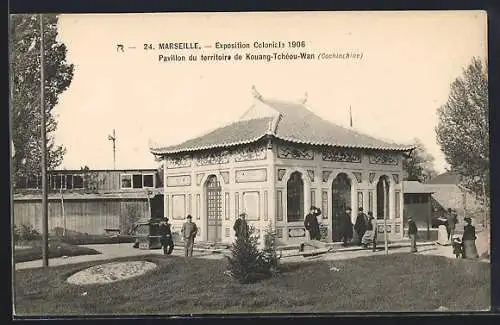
(304,100)
(255,93)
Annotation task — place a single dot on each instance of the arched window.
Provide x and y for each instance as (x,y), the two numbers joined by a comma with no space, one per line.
(295,197)
(383,197)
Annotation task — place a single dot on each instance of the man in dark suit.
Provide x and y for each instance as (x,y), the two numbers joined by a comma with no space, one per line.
(166,237)
(312,225)
(361,224)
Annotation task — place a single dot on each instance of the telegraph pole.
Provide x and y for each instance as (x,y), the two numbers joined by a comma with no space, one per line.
(384,186)
(113,139)
(45,215)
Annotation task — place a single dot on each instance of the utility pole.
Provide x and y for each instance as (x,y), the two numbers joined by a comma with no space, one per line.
(386,245)
(113,139)
(45,215)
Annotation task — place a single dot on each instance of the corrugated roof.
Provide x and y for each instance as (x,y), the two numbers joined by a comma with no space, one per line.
(415,187)
(292,122)
(88,196)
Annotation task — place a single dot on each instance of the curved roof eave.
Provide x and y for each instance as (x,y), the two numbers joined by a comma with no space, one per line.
(160,151)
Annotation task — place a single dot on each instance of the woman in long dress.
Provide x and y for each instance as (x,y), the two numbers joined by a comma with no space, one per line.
(443,231)
(469,240)
(370,235)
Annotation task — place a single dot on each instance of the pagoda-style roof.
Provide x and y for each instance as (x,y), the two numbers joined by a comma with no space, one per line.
(287,121)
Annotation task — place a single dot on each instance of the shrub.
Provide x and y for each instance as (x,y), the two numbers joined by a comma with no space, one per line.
(16,234)
(25,233)
(246,262)
(270,258)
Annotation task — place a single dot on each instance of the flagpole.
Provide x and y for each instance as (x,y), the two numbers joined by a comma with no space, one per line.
(45,216)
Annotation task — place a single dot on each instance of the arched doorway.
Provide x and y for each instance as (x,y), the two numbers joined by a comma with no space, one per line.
(383,197)
(341,199)
(295,198)
(214,209)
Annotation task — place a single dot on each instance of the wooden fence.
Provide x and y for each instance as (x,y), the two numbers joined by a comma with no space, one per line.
(84,216)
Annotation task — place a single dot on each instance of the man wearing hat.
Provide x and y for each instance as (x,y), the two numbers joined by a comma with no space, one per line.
(188,232)
(361,224)
(312,225)
(412,233)
(166,236)
(345,225)
(241,226)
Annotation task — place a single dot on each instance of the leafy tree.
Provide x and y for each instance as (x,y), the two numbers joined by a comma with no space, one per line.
(419,165)
(462,131)
(25,87)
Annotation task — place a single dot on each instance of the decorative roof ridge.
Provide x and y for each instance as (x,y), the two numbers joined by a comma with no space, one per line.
(353,129)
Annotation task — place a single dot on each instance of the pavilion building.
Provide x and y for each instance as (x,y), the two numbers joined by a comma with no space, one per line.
(274,163)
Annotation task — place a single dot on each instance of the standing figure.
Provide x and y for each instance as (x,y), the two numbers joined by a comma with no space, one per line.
(345,226)
(361,225)
(443,231)
(412,233)
(370,236)
(240,227)
(312,225)
(166,237)
(452,221)
(469,240)
(189,231)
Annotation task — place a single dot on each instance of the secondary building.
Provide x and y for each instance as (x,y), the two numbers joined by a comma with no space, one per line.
(90,201)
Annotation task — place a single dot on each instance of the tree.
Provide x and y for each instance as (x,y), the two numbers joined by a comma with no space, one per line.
(245,262)
(26,114)
(462,130)
(419,165)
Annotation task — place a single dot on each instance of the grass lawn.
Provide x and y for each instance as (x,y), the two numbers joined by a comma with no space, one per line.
(33,251)
(397,282)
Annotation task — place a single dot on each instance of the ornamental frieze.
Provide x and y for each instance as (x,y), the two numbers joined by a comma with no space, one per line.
(213,158)
(251,175)
(326,175)
(395,177)
(383,158)
(250,153)
(225,177)
(199,178)
(359,176)
(281,174)
(295,152)
(310,173)
(181,180)
(341,155)
(179,162)
(296,232)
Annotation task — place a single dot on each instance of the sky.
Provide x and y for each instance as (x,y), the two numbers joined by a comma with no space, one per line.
(408,62)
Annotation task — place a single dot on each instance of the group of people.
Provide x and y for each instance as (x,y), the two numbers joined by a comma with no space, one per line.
(188,233)
(462,248)
(365,227)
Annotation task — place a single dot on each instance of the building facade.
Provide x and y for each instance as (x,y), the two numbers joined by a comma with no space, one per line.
(273,164)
